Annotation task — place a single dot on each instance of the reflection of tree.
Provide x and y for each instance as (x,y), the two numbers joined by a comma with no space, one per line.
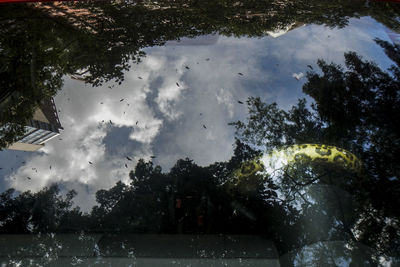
(187,199)
(191,199)
(97,41)
(355,108)
(45,211)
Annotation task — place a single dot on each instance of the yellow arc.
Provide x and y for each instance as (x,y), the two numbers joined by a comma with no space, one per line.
(307,153)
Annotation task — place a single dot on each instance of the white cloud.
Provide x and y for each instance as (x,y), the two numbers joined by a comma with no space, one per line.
(225,98)
(298,76)
(146,132)
(168,94)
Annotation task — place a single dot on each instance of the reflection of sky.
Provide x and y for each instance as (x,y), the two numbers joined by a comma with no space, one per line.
(158,117)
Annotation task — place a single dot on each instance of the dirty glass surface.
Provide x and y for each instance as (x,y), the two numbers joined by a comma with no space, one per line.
(200,133)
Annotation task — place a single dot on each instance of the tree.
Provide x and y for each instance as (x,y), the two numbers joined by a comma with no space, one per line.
(45,211)
(355,108)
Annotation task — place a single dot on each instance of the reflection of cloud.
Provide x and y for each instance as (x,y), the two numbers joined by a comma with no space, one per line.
(147,132)
(211,84)
(225,98)
(89,114)
(168,94)
(170,118)
(298,76)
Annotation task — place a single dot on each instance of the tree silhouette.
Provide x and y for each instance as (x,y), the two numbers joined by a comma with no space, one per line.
(355,108)
(45,211)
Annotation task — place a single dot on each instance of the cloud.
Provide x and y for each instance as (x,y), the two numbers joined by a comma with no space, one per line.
(298,76)
(168,94)
(225,98)
(85,113)
(157,117)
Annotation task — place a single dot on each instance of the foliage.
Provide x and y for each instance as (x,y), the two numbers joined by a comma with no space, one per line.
(45,211)
(354,108)
(96,42)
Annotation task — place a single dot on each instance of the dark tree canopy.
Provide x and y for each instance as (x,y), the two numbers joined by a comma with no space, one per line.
(354,107)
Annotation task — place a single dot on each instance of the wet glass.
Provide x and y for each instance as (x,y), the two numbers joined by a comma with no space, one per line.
(200,133)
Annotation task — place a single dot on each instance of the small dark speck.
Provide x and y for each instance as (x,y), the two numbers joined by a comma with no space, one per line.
(140,78)
(111,122)
(240,102)
(122,100)
(207,59)
(90,162)
(101,103)
(310,67)
(177,84)
(29,178)
(153,157)
(204,126)
(60,139)
(128,158)
(50,167)
(241,74)
(137,122)
(126,166)
(187,67)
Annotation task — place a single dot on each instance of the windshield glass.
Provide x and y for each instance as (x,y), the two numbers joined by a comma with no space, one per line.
(200,133)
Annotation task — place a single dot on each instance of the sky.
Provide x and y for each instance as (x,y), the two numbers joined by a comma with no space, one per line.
(173,112)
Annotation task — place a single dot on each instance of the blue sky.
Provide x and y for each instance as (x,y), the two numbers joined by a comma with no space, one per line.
(171,117)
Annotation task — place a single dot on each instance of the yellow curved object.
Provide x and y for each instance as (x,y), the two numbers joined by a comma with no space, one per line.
(306,153)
